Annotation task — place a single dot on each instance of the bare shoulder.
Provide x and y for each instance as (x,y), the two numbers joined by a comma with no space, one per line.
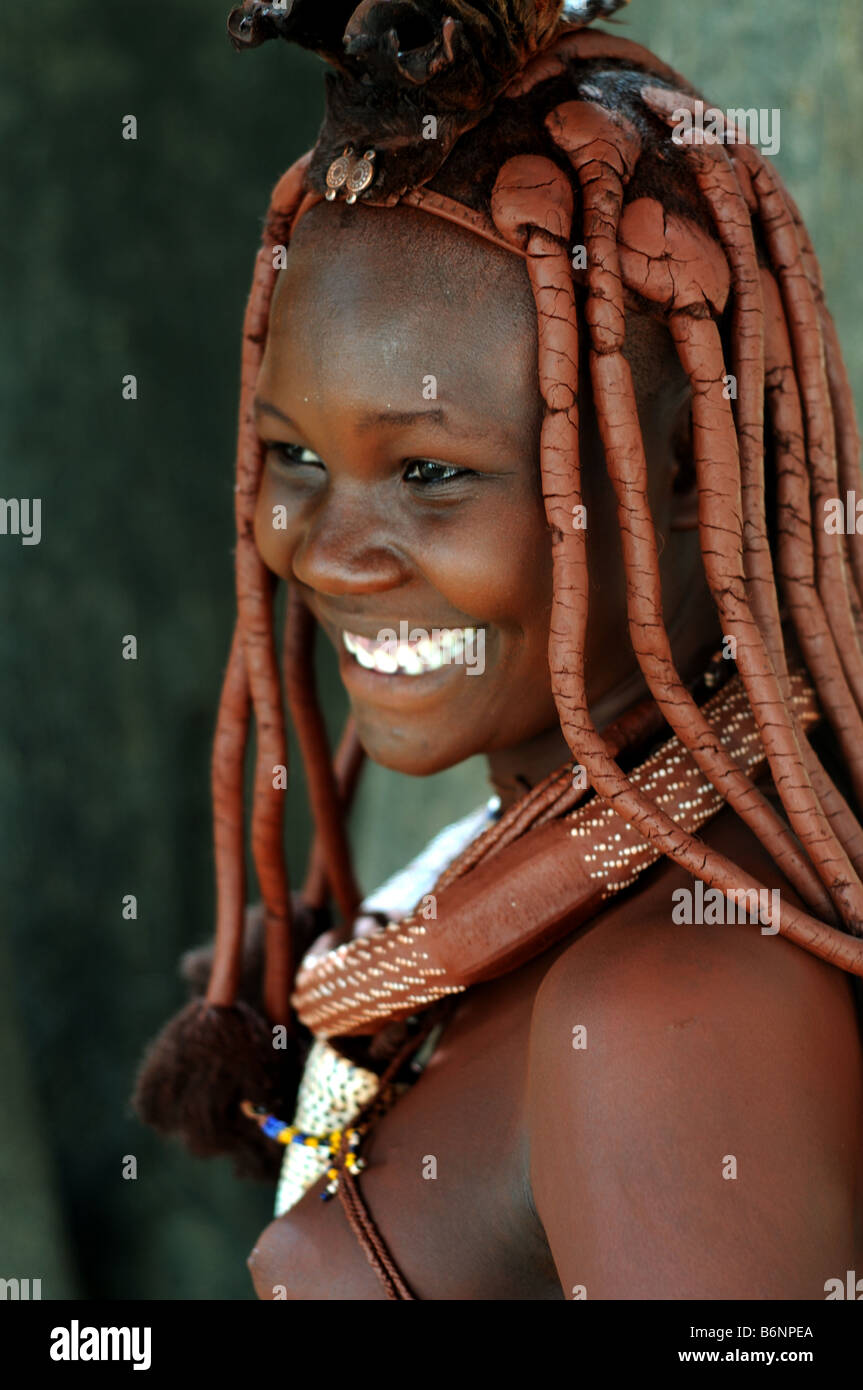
(702,1087)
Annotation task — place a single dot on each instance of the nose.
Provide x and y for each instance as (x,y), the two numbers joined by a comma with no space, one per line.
(346,546)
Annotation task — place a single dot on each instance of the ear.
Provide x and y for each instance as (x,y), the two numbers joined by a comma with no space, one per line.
(684,485)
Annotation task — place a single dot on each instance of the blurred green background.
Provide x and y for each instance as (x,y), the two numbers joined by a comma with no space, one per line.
(134,257)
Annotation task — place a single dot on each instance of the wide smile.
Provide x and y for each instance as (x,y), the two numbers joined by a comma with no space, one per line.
(400,673)
(390,656)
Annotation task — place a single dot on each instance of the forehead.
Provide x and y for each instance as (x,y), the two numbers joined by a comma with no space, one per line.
(394,295)
(401,260)
(414,294)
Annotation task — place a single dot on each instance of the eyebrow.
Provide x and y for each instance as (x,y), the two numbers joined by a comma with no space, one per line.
(372,419)
(266,408)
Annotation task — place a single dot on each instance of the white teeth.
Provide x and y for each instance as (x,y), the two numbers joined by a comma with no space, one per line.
(410,659)
(364,658)
(385,661)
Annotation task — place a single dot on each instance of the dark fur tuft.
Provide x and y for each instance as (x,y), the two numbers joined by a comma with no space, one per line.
(196,1072)
(207,1060)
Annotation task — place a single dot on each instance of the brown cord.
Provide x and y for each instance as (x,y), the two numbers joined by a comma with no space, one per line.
(355,1208)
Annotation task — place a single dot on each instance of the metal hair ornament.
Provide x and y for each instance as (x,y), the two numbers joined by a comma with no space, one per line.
(351,173)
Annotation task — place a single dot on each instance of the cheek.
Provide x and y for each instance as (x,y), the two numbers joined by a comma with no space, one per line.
(491,562)
(495,565)
(513,555)
(275,546)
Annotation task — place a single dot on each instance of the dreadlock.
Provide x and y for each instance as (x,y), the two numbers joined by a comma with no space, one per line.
(551,135)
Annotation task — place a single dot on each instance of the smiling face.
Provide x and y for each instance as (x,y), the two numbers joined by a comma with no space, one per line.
(399,400)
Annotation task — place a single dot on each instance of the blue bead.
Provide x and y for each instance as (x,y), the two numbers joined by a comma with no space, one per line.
(272,1127)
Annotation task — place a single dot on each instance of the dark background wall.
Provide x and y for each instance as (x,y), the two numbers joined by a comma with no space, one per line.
(134,257)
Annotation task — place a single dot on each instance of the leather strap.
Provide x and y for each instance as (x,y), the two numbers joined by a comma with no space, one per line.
(537,890)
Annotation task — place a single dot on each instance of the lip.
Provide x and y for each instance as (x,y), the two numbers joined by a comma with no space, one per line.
(396,688)
(362,628)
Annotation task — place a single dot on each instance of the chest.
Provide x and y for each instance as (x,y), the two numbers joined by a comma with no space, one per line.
(447,1177)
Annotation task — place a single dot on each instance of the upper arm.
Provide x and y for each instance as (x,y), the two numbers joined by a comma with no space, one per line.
(704,1142)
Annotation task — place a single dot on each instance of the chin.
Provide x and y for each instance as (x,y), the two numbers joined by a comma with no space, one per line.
(414,756)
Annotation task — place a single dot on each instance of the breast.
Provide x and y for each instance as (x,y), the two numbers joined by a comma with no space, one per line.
(446,1182)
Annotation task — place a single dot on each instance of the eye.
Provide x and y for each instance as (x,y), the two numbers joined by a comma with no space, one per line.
(293,454)
(428,473)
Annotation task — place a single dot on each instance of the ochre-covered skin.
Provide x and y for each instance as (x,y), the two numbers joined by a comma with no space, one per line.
(689,283)
(602,1168)
(563,1168)
(556,878)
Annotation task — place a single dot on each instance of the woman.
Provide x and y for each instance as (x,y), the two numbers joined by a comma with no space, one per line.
(526,364)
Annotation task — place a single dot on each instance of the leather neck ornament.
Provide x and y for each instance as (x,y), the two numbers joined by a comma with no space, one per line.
(517,903)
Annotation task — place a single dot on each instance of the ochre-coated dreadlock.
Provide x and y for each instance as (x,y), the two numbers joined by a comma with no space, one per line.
(568,140)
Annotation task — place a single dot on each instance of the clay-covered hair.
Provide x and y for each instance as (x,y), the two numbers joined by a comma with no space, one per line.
(550,135)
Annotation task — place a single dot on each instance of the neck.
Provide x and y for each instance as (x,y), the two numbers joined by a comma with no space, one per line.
(514,771)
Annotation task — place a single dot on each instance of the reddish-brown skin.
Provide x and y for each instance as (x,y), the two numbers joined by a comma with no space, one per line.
(603,1167)
(365,553)
(556,1167)
(518,351)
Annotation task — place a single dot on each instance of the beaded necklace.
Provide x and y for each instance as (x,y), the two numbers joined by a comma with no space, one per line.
(334,1088)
